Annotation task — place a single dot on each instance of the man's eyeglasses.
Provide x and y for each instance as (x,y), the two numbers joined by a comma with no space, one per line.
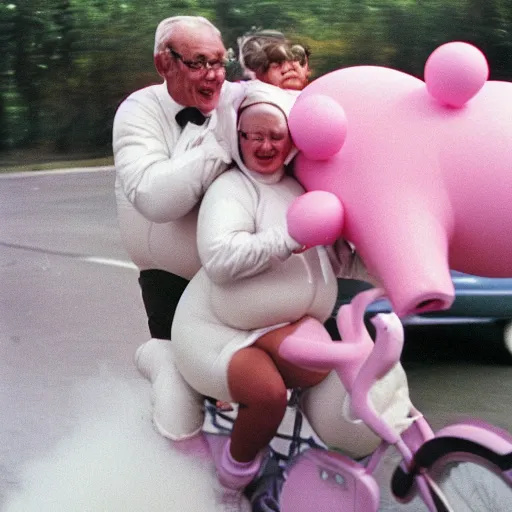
(200,64)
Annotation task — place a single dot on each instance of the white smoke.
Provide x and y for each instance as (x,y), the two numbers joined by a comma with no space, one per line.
(114,461)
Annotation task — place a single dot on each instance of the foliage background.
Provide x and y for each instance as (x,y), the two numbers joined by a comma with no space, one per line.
(65,65)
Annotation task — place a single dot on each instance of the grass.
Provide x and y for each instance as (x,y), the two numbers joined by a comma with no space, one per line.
(54,164)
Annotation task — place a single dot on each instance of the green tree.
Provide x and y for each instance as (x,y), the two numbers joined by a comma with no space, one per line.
(67,64)
(29,64)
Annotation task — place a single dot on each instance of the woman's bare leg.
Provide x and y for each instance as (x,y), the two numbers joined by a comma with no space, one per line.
(255,383)
(258,379)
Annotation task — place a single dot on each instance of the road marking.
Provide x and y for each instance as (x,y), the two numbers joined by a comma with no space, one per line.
(88,259)
(109,261)
(51,172)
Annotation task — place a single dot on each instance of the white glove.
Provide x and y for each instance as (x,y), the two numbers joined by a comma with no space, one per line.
(194,136)
(215,148)
(291,245)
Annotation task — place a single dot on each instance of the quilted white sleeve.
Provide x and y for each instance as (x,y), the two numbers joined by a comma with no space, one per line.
(163,185)
(229,245)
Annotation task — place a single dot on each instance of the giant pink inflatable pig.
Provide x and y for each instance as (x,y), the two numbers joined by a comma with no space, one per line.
(422,169)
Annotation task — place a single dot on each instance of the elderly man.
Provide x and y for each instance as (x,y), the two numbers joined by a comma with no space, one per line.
(168,149)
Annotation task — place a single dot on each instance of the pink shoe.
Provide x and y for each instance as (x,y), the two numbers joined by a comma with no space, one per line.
(232,474)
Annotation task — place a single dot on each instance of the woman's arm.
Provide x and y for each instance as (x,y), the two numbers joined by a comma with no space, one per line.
(229,244)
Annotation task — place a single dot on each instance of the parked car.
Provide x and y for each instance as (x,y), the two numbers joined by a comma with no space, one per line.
(478,300)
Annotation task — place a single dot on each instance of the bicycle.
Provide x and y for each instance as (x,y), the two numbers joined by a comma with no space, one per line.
(312,477)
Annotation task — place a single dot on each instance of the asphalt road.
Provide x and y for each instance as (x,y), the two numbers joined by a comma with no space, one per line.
(70,306)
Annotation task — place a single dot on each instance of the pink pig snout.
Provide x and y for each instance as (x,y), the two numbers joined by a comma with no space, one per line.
(418,289)
(408,255)
(429,301)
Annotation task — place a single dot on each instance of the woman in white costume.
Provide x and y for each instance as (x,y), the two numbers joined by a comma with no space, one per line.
(255,280)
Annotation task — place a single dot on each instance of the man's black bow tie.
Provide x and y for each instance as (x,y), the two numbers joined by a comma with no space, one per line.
(190,115)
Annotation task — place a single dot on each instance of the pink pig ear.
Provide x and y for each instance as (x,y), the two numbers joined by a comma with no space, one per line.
(318,126)
(455,72)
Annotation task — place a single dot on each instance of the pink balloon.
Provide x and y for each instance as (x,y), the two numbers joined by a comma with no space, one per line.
(315,218)
(318,126)
(455,72)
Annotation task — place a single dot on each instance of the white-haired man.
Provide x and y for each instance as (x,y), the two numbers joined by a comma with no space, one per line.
(168,148)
